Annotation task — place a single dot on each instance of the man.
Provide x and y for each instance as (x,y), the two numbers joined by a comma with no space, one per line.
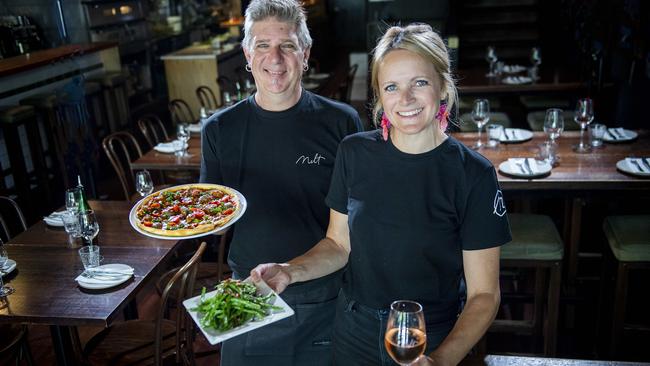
(278,149)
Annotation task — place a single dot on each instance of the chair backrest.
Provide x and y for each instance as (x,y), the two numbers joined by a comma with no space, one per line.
(183,280)
(122,148)
(11,217)
(153,129)
(207,99)
(12,338)
(345,88)
(181,112)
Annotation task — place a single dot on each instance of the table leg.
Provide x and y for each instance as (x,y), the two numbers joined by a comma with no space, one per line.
(574,239)
(64,345)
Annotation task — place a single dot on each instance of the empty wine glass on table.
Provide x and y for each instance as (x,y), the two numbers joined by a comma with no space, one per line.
(554,123)
(480,116)
(491,58)
(72,200)
(88,225)
(535,60)
(183,136)
(406,337)
(143,183)
(4,257)
(584,116)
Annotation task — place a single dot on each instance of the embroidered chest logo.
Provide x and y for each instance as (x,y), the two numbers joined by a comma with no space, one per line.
(499,205)
(309,160)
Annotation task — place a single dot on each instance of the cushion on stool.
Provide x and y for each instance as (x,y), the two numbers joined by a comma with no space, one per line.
(533,237)
(467,125)
(536,121)
(109,79)
(543,102)
(91,87)
(629,237)
(17,113)
(42,101)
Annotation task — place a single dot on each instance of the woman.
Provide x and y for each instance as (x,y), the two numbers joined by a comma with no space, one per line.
(413,213)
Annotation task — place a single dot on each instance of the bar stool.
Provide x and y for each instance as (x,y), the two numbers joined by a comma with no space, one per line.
(536,244)
(23,143)
(47,106)
(629,241)
(116,99)
(500,118)
(536,121)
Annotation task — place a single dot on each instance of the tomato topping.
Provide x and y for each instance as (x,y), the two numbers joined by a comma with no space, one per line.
(147,223)
(228,211)
(175,219)
(176,208)
(154,205)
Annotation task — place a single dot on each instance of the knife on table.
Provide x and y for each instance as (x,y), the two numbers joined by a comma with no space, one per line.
(646,162)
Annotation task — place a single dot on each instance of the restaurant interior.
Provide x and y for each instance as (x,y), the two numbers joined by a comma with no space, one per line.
(94,91)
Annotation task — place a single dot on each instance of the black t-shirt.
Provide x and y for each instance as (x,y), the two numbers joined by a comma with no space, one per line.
(410,217)
(282,163)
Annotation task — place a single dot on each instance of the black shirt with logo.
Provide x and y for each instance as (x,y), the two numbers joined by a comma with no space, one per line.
(410,218)
(282,163)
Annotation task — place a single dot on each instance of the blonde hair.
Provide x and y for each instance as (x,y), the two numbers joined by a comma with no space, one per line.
(422,40)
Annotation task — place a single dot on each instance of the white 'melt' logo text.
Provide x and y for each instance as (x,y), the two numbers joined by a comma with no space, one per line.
(310,161)
(499,205)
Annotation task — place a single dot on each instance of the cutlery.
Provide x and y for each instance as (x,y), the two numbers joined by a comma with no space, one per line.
(530,170)
(522,168)
(508,137)
(638,166)
(108,273)
(646,161)
(611,133)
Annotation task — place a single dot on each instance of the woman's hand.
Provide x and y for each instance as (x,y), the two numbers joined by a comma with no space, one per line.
(275,275)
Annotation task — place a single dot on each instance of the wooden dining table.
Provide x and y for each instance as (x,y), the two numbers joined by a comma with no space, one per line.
(44,279)
(511,360)
(577,176)
(473,81)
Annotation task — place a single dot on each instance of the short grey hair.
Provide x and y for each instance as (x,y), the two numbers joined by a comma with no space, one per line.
(286,11)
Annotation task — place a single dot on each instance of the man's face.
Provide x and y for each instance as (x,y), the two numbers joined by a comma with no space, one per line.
(276,58)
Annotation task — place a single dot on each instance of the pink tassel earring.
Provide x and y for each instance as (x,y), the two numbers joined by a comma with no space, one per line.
(385,125)
(442,116)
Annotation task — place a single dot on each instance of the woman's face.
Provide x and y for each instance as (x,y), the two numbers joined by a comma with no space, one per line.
(276,58)
(409,90)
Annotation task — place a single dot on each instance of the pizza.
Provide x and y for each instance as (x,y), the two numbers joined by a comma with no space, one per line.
(187,210)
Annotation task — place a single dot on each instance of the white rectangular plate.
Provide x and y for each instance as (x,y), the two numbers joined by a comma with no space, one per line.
(214,336)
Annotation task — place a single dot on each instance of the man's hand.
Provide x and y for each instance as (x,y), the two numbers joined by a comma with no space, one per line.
(275,275)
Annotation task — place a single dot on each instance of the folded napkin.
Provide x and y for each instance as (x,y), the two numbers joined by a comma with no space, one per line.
(168,147)
(106,274)
(517,80)
(55,218)
(638,165)
(513,68)
(196,127)
(526,166)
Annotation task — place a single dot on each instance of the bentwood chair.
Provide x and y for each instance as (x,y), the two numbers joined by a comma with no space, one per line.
(181,112)
(206,97)
(345,90)
(122,148)
(160,341)
(153,129)
(13,345)
(13,338)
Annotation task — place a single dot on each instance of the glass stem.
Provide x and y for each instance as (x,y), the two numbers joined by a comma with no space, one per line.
(582,134)
(478,143)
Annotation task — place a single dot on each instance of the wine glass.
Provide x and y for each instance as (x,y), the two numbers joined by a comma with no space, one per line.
(4,289)
(88,225)
(584,116)
(535,60)
(491,58)
(72,200)
(143,183)
(480,116)
(554,123)
(183,136)
(406,337)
